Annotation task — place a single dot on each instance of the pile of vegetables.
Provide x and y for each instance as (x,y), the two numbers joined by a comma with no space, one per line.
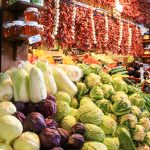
(65,107)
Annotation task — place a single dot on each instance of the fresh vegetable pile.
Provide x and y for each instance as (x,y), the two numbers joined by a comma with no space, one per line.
(65,107)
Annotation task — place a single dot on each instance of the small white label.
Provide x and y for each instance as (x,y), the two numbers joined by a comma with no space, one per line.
(34,39)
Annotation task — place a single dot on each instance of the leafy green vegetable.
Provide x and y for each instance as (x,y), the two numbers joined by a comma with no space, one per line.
(121,107)
(137,100)
(105,78)
(92,80)
(7,108)
(128,120)
(112,143)
(119,95)
(20,81)
(124,137)
(63,96)
(108,125)
(90,113)
(92,145)
(4,146)
(67,122)
(74,103)
(63,109)
(10,128)
(119,85)
(6,91)
(96,93)
(108,90)
(82,90)
(94,133)
(104,105)
(27,140)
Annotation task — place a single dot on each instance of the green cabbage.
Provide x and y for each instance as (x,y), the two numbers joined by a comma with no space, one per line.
(112,143)
(63,96)
(63,109)
(108,90)
(82,90)
(128,120)
(10,128)
(96,93)
(67,122)
(73,112)
(105,78)
(74,103)
(92,145)
(119,85)
(90,113)
(121,107)
(93,80)
(137,100)
(119,95)
(6,91)
(104,105)
(85,100)
(4,146)
(108,125)
(7,108)
(94,133)
(27,141)
(37,85)
(20,80)
(94,68)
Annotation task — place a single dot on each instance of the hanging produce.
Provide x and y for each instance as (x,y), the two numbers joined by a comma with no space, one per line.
(66,27)
(124,42)
(84,33)
(100,31)
(47,20)
(136,47)
(113,34)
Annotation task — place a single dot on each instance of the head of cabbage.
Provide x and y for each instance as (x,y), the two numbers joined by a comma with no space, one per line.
(96,93)
(119,85)
(112,143)
(6,90)
(109,125)
(10,128)
(90,113)
(94,133)
(137,100)
(67,122)
(93,80)
(93,145)
(7,108)
(27,140)
(105,78)
(108,90)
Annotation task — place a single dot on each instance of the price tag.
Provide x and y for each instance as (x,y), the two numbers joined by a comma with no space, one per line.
(34,39)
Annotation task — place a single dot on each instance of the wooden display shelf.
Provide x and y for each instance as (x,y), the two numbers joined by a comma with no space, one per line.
(16,38)
(20,5)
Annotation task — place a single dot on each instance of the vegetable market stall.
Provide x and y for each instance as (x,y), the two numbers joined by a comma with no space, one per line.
(91,105)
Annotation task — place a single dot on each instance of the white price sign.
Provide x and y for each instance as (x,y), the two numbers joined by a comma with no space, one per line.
(34,39)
